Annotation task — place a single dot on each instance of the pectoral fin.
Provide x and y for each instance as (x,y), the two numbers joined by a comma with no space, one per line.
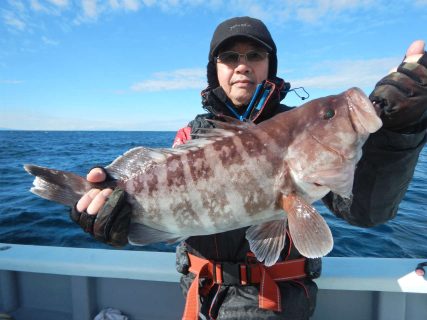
(267,240)
(309,231)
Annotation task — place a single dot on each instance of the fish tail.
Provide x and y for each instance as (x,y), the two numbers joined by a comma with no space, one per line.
(59,186)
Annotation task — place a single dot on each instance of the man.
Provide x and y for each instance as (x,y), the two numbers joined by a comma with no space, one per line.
(243,55)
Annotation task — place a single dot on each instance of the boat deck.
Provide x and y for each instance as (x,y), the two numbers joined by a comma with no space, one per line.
(38,282)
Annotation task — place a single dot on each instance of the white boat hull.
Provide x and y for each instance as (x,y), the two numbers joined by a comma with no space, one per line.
(38,282)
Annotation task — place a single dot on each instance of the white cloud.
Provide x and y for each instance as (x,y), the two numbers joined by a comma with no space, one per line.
(36,5)
(17,5)
(46,8)
(348,73)
(279,11)
(174,80)
(90,9)
(49,42)
(318,10)
(274,11)
(11,20)
(132,5)
(114,4)
(59,3)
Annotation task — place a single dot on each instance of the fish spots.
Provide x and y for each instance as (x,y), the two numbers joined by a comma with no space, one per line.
(252,184)
(174,174)
(252,146)
(146,209)
(131,186)
(248,185)
(255,201)
(217,207)
(143,183)
(255,146)
(151,182)
(185,216)
(255,197)
(198,166)
(227,152)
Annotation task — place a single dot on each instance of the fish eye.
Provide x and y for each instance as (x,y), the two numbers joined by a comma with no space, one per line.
(328,114)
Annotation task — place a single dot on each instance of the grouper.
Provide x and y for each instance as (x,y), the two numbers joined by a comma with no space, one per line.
(238,174)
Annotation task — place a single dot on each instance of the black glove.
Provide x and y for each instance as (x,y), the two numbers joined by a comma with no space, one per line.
(111,224)
(402,97)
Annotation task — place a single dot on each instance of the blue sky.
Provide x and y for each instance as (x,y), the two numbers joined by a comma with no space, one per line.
(140,64)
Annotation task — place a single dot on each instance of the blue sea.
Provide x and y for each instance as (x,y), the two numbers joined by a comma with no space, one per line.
(28,219)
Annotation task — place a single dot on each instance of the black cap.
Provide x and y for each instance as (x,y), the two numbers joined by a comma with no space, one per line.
(245,27)
(241,27)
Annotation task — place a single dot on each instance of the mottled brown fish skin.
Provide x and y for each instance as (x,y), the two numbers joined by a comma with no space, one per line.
(202,171)
(227,152)
(236,179)
(192,175)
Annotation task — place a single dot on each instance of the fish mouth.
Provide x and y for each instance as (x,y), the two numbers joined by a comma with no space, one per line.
(331,149)
(339,181)
(363,114)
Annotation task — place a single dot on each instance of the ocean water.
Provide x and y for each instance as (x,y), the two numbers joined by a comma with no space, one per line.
(28,219)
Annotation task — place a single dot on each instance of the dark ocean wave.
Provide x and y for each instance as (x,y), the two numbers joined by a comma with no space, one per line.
(28,219)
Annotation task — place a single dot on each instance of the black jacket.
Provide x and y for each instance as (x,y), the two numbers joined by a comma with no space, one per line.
(381,180)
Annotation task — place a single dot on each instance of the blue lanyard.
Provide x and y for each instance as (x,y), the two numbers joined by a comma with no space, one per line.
(250,106)
(262,100)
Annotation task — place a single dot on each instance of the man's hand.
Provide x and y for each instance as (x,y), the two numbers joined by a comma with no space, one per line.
(415,51)
(402,95)
(94,199)
(105,214)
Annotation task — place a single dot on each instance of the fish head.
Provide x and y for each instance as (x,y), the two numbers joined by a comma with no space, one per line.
(329,136)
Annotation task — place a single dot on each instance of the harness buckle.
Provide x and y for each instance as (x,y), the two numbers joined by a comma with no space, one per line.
(229,273)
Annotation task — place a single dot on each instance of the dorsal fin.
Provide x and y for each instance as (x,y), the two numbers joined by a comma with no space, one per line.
(139,159)
(232,124)
(208,135)
(135,161)
(222,129)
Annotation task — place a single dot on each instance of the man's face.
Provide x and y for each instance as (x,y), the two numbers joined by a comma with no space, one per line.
(239,80)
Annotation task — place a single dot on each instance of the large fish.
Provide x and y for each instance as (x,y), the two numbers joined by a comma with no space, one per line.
(239,174)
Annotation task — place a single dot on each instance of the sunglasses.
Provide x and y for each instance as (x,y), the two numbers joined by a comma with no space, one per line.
(232,58)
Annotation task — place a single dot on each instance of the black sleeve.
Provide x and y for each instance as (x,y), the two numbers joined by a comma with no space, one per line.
(199,123)
(381,179)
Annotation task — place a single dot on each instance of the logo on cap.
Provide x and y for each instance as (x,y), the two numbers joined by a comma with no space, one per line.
(242,25)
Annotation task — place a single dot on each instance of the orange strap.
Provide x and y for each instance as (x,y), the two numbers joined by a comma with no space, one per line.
(269,295)
(253,273)
(201,268)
